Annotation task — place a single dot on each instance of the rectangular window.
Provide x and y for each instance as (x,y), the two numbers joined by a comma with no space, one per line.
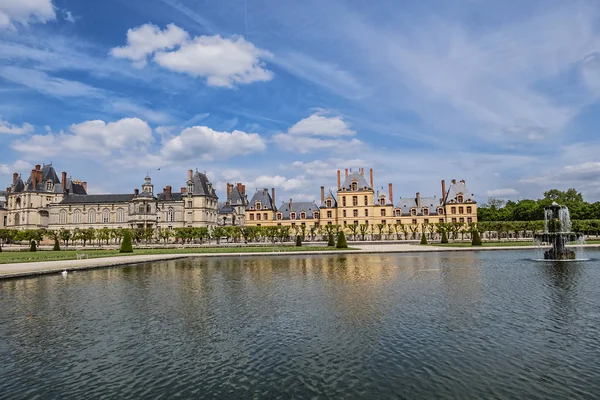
(344,201)
(279,224)
(329,214)
(413,211)
(265,216)
(366,200)
(384,222)
(453,210)
(344,213)
(414,221)
(425,211)
(329,223)
(461,210)
(354,201)
(345,223)
(293,224)
(469,210)
(461,220)
(441,219)
(355,222)
(355,213)
(251,217)
(258,216)
(190,204)
(453,219)
(469,220)
(383,212)
(367,212)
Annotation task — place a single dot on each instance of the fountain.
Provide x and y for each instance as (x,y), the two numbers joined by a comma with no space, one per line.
(557,232)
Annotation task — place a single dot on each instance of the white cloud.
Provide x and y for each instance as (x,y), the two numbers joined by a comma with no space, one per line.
(68,16)
(320,125)
(12,129)
(128,107)
(508,192)
(128,135)
(208,144)
(221,61)
(280,182)
(46,84)
(25,12)
(19,165)
(308,144)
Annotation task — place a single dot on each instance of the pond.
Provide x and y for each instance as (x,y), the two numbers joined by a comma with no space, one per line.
(417,326)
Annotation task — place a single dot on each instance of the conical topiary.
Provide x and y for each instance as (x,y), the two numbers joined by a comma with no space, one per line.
(56,245)
(341,242)
(476,241)
(423,238)
(444,237)
(33,246)
(331,242)
(126,246)
(298,241)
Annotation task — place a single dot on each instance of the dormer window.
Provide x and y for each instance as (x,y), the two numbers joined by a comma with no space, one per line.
(302,215)
(382,201)
(279,216)
(49,186)
(328,203)
(293,215)
(425,211)
(413,211)
(441,211)
(316,215)
(354,185)
(398,213)
(258,205)
(459,198)
(190,188)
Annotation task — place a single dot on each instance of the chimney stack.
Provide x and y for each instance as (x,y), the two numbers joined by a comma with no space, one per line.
(371,173)
(391,193)
(84,184)
(240,188)
(418,200)
(183,189)
(34,178)
(15,177)
(322,194)
(136,192)
(190,174)
(454,181)
(38,167)
(64,182)
(229,191)
(362,171)
(243,189)
(265,192)
(443,191)
(290,205)
(169,192)
(273,196)
(339,182)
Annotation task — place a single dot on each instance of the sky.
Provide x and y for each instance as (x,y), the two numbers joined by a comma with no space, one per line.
(502,93)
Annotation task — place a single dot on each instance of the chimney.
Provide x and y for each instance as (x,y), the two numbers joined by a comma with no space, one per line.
(190,174)
(229,191)
(462,181)
(454,181)
(38,167)
(40,176)
(64,182)
(362,171)
(346,173)
(84,184)
(240,188)
(418,200)
(273,196)
(371,173)
(34,178)
(391,193)
(290,205)
(339,183)
(265,191)
(15,177)
(244,189)
(136,192)
(443,191)
(169,192)
(183,190)
(322,194)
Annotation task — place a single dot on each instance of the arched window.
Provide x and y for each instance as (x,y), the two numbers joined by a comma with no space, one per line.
(258,205)
(49,186)
(62,217)
(105,216)
(459,198)
(425,211)
(17,219)
(354,185)
(141,209)
(316,215)
(91,217)
(328,203)
(170,215)
(148,209)
(77,217)
(293,215)
(398,213)
(120,215)
(382,201)
(302,215)
(279,216)
(18,202)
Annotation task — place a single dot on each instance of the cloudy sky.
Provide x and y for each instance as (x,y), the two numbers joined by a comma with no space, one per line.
(502,93)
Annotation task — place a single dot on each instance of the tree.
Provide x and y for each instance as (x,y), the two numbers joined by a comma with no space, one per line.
(423,238)
(331,241)
(32,246)
(363,230)
(354,229)
(298,241)
(444,237)
(56,245)
(126,246)
(341,242)
(476,241)
(380,230)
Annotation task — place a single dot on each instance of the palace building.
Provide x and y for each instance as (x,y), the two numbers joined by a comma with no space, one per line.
(45,201)
(357,203)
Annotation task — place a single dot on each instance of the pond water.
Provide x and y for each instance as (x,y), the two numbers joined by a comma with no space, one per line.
(415,326)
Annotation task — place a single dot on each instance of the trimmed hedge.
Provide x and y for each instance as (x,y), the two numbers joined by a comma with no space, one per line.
(331,242)
(56,245)
(126,246)
(444,237)
(423,238)
(298,241)
(341,242)
(33,246)
(476,238)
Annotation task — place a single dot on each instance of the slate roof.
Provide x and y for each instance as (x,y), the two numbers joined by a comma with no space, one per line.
(174,196)
(226,209)
(432,203)
(48,174)
(202,186)
(265,199)
(457,188)
(301,206)
(362,182)
(97,198)
(333,198)
(237,199)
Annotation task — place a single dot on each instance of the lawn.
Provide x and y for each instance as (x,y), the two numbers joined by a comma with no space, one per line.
(40,255)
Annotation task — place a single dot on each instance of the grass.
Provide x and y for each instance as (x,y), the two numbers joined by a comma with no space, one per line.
(7,257)
(484,244)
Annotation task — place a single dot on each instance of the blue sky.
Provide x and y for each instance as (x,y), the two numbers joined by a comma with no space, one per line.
(502,93)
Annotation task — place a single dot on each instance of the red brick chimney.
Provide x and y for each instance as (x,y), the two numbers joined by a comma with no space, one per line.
(64,182)
(169,192)
(346,175)
(322,194)
(190,174)
(34,178)
(229,191)
(371,173)
(391,193)
(339,180)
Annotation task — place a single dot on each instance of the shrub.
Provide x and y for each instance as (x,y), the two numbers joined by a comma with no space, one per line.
(56,245)
(331,242)
(298,241)
(126,246)
(341,242)
(423,238)
(33,247)
(444,237)
(476,239)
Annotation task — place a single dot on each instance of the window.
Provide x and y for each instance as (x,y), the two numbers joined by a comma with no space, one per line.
(170,215)
(469,220)
(354,201)
(453,219)
(414,221)
(461,220)
(367,212)
(398,213)
(258,205)
(258,216)
(77,217)
(293,215)
(355,213)
(344,201)
(190,189)
(354,185)
(413,211)
(329,223)
(91,217)
(344,213)
(141,209)
(453,210)
(329,214)
(383,212)
(356,223)
(366,198)
(265,216)
(441,211)
(316,215)
(293,224)
(459,198)
(328,203)
(461,210)
(49,186)
(105,216)
(383,221)
(190,204)
(425,211)
(148,209)
(121,215)
(382,201)
(279,216)
(302,215)
(441,219)
(62,217)
(426,221)
(469,210)
(251,217)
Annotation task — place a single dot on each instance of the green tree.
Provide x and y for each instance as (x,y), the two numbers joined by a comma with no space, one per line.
(444,237)
(423,238)
(32,246)
(56,245)
(298,241)
(476,239)
(331,241)
(126,245)
(341,242)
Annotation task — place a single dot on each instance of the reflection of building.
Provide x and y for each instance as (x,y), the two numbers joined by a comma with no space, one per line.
(357,203)
(45,201)
(232,212)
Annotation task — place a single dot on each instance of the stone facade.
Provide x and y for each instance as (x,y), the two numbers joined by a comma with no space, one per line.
(233,211)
